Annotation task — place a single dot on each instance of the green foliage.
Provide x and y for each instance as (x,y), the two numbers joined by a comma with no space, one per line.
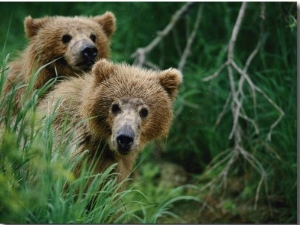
(197,138)
(153,203)
(37,180)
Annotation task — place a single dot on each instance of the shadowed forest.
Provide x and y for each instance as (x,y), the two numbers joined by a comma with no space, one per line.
(231,154)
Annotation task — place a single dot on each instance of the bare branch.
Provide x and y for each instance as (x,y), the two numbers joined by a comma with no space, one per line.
(151,65)
(141,53)
(191,39)
(223,111)
(244,116)
(236,30)
(255,88)
(251,56)
(236,96)
(217,73)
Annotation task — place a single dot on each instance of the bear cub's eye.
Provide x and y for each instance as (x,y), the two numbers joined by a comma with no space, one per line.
(115,108)
(93,37)
(66,38)
(144,112)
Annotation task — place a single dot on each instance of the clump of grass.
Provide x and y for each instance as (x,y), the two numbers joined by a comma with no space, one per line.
(34,175)
(37,180)
(152,201)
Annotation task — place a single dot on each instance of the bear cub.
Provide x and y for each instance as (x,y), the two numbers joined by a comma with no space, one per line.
(113,112)
(65,46)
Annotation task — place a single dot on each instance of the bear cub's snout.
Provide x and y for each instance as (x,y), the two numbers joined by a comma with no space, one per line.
(84,54)
(89,53)
(125,138)
(127,116)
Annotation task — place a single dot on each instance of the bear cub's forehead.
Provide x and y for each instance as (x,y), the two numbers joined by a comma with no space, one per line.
(133,101)
(76,23)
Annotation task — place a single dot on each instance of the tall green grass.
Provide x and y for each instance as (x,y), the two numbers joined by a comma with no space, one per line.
(37,180)
(195,138)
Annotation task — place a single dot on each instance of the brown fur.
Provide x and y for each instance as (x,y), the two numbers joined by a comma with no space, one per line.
(48,44)
(114,99)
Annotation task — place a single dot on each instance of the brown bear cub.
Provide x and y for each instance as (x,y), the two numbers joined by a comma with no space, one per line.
(113,112)
(69,46)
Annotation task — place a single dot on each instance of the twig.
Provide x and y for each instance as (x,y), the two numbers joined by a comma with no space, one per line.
(151,65)
(236,104)
(176,42)
(190,39)
(236,31)
(217,73)
(140,54)
(223,111)
(255,88)
(218,160)
(236,97)
(257,192)
(244,116)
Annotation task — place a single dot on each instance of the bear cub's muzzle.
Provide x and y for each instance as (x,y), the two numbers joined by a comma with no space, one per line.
(125,138)
(84,54)
(89,53)
(127,115)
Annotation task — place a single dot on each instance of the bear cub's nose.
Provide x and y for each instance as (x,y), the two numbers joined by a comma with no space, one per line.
(125,138)
(89,53)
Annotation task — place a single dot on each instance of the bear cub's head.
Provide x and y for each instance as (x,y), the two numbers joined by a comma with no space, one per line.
(75,42)
(129,106)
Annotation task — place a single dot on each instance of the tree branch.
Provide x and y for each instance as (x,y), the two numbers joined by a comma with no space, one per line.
(191,39)
(236,97)
(236,30)
(141,53)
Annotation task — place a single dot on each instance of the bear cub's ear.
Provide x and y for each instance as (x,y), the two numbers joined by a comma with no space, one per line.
(32,26)
(102,70)
(107,21)
(170,79)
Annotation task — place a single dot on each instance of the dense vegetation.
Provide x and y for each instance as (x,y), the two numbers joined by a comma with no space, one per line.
(233,142)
